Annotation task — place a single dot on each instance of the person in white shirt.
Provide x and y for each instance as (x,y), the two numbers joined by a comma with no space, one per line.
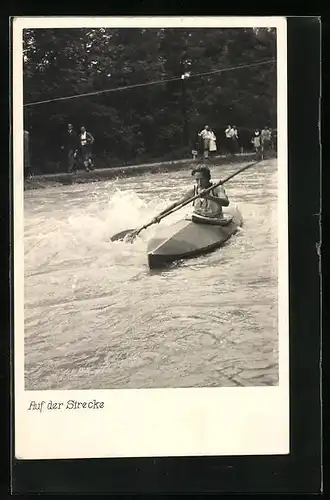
(228,135)
(205,135)
(231,139)
(213,142)
(228,132)
(256,141)
(86,140)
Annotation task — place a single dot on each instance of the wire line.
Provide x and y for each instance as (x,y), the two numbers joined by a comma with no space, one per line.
(127,87)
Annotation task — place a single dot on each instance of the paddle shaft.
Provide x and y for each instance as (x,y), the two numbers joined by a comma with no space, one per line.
(193,198)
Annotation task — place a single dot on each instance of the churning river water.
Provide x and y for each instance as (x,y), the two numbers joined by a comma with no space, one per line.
(97,318)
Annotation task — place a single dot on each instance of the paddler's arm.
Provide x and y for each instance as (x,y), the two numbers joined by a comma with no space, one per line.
(186,197)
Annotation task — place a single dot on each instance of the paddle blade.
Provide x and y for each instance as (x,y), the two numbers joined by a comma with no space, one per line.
(127,234)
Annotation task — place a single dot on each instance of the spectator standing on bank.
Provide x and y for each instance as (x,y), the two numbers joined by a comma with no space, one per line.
(71,146)
(86,141)
(274,140)
(265,140)
(213,142)
(205,135)
(232,139)
(229,143)
(271,146)
(27,163)
(256,141)
(235,139)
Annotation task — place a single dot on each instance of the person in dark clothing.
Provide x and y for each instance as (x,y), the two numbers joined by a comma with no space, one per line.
(266,138)
(71,146)
(274,140)
(27,163)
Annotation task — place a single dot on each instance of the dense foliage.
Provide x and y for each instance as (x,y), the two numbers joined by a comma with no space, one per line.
(148,122)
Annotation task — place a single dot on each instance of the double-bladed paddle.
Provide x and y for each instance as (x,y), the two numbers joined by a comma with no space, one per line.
(130,234)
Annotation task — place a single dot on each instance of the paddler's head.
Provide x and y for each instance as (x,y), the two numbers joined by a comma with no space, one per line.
(202,176)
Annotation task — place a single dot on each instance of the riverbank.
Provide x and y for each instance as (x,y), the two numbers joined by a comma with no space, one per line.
(47,180)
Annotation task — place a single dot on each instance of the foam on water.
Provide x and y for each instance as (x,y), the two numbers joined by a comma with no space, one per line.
(96,317)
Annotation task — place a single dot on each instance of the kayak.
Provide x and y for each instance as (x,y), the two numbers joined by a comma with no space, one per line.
(191,237)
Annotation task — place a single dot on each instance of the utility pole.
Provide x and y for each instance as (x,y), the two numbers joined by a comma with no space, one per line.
(185,134)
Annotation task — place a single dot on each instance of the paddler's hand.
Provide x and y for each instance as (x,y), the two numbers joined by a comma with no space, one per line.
(204,194)
(156,220)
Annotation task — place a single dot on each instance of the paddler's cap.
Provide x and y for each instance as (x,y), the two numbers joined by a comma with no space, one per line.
(201,171)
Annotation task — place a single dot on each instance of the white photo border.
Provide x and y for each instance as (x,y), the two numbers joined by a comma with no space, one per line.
(153,422)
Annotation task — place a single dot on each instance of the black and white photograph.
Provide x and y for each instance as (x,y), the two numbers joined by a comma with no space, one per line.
(151,234)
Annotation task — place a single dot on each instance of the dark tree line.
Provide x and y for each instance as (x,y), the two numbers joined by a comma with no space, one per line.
(148,122)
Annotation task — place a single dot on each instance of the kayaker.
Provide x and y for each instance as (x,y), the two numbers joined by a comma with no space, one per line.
(210,205)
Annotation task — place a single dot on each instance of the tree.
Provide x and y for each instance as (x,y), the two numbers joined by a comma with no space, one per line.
(132,114)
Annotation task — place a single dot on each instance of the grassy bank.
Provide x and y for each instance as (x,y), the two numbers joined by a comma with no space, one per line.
(47,180)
